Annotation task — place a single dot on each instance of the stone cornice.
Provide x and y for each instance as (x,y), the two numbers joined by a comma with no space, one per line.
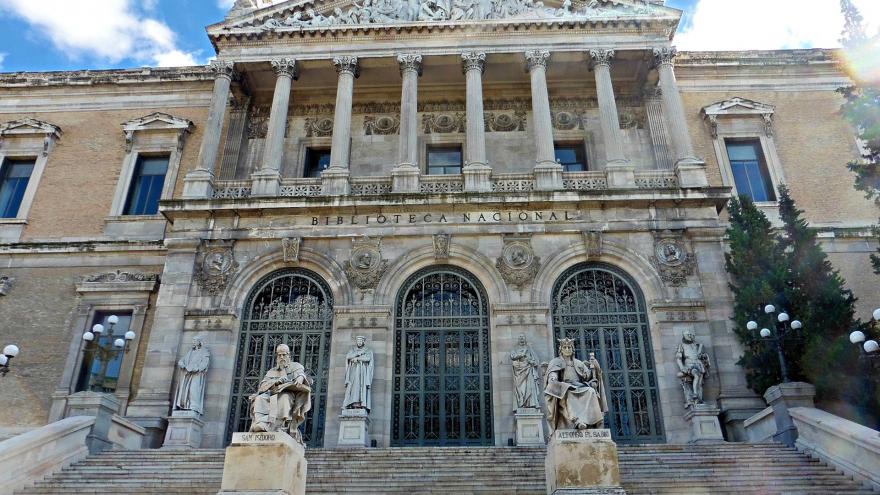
(104,77)
(758,57)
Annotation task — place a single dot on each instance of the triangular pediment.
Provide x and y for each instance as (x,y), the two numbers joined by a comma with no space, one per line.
(157,121)
(738,106)
(29,126)
(302,15)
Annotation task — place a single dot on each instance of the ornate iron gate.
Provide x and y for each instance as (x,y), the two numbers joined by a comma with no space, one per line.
(293,307)
(604,311)
(442,364)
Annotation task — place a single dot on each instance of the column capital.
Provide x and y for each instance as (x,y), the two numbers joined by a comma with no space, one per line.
(222,68)
(285,67)
(473,61)
(602,56)
(665,56)
(410,62)
(347,64)
(537,58)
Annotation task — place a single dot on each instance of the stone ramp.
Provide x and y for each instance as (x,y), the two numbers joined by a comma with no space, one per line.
(765,469)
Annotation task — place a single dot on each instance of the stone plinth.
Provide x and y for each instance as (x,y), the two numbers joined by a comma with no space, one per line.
(266,183)
(781,398)
(477,177)
(336,181)
(705,427)
(184,431)
(529,427)
(264,464)
(582,462)
(354,426)
(405,178)
(100,406)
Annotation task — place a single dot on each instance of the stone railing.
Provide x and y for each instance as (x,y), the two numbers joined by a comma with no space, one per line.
(656,179)
(38,453)
(300,188)
(232,189)
(584,181)
(513,183)
(370,186)
(439,184)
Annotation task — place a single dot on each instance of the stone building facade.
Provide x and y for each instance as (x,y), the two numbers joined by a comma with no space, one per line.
(437,178)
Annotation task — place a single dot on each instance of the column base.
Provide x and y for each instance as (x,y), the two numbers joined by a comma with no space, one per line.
(620,174)
(405,178)
(477,177)
(336,181)
(781,398)
(354,426)
(582,462)
(548,176)
(266,183)
(529,427)
(184,431)
(691,173)
(705,427)
(198,184)
(264,463)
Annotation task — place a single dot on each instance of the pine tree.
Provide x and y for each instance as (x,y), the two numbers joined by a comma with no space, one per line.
(853,27)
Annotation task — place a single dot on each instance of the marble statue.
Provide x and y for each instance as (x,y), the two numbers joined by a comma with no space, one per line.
(193,372)
(525,375)
(693,367)
(574,391)
(358,376)
(283,397)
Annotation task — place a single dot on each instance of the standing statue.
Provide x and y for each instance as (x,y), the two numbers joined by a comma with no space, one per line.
(693,366)
(358,376)
(574,391)
(525,375)
(192,378)
(283,398)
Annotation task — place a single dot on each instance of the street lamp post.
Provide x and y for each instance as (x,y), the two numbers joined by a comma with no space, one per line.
(869,350)
(106,353)
(783,327)
(9,352)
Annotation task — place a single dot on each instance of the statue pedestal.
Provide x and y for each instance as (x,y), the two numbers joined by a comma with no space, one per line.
(529,427)
(184,431)
(705,427)
(264,464)
(354,425)
(582,462)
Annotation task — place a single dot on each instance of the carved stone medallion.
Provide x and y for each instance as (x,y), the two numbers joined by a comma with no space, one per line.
(381,125)
(366,266)
(441,246)
(505,121)
(593,243)
(444,123)
(518,264)
(671,258)
(6,285)
(319,126)
(215,266)
(290,249)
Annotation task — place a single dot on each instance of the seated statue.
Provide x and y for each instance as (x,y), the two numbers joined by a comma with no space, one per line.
(283,398)
(574,391)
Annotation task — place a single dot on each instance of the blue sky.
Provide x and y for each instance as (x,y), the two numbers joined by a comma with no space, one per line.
(39,35)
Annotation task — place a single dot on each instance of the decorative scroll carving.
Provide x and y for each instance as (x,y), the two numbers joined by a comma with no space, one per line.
(593,243)
(441,246)
(258,123)
(381,125)
(319,126)
(602,57)
(505,121)
(537,58)
(442,106)
(215,266)
(290,249)
(565,120)
(285,66)
(222,68)
(366,266)
(444,123)
(671,259)
(473,61)
(410,62)
(665,56)
(6,284)
(120,276)
(518,264)
(347,64)
(632,118)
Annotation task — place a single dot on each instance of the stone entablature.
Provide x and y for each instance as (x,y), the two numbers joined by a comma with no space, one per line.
(145,75)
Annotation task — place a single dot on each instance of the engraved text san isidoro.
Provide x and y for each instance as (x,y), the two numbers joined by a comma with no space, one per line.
(479,217)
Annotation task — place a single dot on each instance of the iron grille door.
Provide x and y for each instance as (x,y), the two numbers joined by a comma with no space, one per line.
(293,307)
(601,309)
(442,368)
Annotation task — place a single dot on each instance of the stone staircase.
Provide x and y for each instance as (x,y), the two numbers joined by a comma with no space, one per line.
(647,470)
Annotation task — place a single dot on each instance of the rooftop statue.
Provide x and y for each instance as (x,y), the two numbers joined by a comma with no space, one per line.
(574,391)
(283,398)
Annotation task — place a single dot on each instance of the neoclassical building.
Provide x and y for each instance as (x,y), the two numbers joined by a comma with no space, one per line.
(438,177)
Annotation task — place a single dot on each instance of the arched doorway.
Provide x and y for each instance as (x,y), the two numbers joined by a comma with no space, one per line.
(293,307)
(603,310)
(442,363)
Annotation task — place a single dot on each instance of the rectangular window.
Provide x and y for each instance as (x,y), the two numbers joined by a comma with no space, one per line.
(146,185)
(444,160)
(750,169)
(14,178)
(317,161)
(102,361)
(572,157)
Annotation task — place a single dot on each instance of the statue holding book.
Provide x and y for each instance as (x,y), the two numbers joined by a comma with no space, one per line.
(283,398)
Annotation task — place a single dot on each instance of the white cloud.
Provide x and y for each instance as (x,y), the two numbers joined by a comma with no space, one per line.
(2,58)
(227,4)
(110,30)
(769,24)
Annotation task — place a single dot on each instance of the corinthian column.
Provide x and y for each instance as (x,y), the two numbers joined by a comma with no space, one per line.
(405,176)
(267,180)
(617,168)
(689,168)
(548,173)
(335,179)
(199,183)
(476,170)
